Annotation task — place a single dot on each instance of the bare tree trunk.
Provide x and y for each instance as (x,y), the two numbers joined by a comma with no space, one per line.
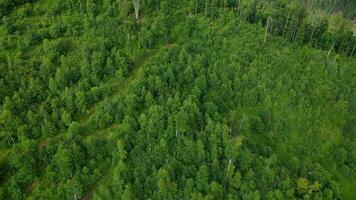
(286,25)
(335,58)
(136,5)
(294,35)
(75,195)
(266,33)
(353,49)
(238,7)
(206,8)
(12,140)
(312,34)
(331,48)
(242,122)
(347,48)
(228,168)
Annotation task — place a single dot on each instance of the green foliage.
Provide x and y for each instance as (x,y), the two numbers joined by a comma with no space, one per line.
(187,102)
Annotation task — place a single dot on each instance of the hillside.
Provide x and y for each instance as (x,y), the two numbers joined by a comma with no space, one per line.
(218,99)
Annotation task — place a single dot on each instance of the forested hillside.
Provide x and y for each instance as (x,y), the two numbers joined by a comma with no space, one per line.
(188,99)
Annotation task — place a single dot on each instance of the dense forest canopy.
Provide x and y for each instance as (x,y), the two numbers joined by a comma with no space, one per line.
(189,99)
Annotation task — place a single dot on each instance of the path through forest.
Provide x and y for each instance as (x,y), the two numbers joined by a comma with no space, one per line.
(120,89)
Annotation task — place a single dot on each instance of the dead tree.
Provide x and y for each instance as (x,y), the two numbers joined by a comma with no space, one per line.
(331,48)
(136,6)
(286,26)
(347,47)
(353,49)
(313,30)
(267,28)
(238,7)
(228,168)
(206,8)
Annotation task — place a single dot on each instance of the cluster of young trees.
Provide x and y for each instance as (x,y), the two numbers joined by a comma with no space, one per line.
(175,100)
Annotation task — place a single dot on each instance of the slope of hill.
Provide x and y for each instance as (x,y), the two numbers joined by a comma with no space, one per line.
(176,100)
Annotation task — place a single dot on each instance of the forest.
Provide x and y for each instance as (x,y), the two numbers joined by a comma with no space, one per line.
(172,100)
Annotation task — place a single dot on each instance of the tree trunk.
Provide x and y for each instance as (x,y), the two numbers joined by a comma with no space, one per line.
(228,167)
(266,33)
(294,35)
(238,7)
(335,58)
(206,8)
(136,5)
(353,49)
(12,140)
(312,34)
(286,25)
(331,48)
(347,48)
